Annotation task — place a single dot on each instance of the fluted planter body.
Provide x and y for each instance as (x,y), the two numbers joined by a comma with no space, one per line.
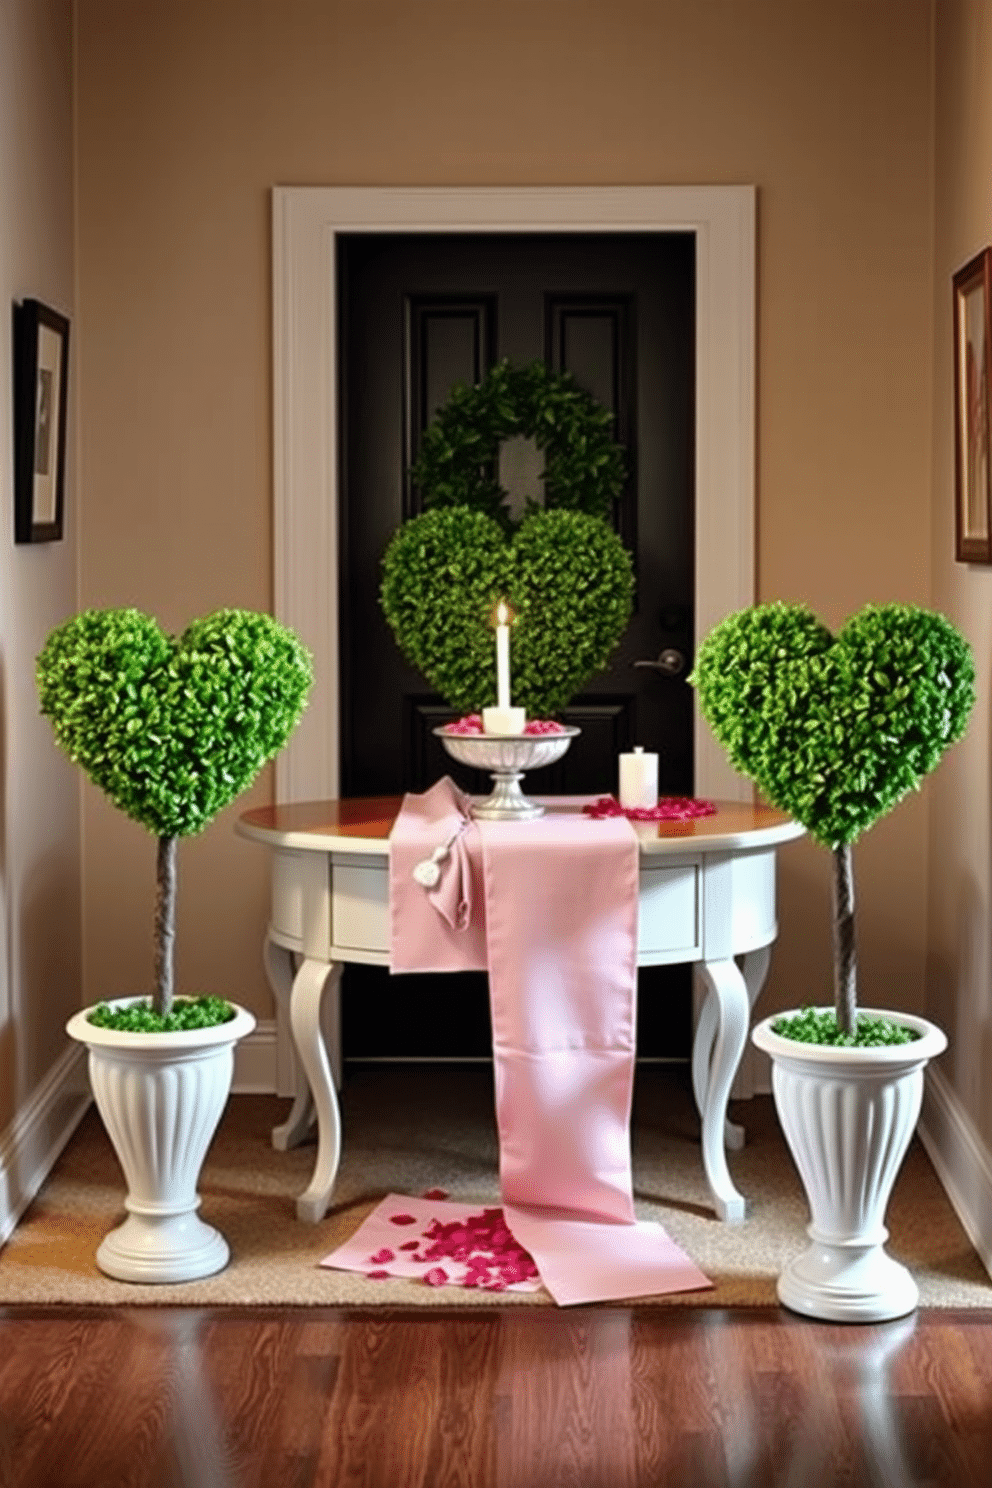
(160,1096)
(848,1116)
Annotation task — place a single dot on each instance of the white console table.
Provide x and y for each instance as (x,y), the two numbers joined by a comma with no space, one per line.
(707,895)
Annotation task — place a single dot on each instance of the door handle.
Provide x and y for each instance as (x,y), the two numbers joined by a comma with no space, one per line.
(670,662)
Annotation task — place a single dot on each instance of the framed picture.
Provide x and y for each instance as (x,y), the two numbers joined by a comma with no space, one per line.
(972,385)
(41,381)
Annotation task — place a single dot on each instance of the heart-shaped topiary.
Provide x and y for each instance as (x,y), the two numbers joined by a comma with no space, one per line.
(172,729)
(566,575)
(835,731)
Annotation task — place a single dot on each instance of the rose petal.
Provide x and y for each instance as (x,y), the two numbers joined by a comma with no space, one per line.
(382,1256)
(436,1193)
(409,1245)
(403,1219)
(377,1275)
(543,726)
(668,808)
(437,1276)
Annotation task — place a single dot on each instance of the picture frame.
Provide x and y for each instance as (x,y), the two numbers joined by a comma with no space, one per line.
(41,385)
(972,292)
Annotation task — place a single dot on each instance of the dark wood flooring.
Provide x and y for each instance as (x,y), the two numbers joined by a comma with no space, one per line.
(526,1397)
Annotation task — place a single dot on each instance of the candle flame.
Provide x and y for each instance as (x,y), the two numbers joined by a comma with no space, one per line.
(502,613)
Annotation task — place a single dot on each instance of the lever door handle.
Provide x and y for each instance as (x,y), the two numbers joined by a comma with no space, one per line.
(670,662)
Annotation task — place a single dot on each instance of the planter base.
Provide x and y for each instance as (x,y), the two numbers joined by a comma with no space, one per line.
(847,1284)
(161,1248)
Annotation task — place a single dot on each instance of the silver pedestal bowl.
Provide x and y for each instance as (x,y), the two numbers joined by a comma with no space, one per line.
(507,757)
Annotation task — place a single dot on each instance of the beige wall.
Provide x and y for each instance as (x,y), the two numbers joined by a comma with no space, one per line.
(188,113)
(40,958)
(959,977)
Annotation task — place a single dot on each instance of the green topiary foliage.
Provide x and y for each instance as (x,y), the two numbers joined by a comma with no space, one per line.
(172,729)
(442,574)
(566,575)
(835,731)
(584,469)
(572,590)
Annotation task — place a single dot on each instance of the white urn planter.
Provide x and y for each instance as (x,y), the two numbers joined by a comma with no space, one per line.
(848,1115)
(161,1096)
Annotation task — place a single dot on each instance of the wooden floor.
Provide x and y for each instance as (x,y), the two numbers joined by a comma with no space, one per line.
(526,1397)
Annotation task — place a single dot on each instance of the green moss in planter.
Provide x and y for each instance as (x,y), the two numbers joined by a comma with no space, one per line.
(820,1026)
(187,1013)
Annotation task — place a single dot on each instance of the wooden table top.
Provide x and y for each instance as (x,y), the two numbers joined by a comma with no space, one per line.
(363,824)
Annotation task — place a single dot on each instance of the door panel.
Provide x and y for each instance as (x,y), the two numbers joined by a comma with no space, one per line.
(419,313)
(592,336)
(447,339)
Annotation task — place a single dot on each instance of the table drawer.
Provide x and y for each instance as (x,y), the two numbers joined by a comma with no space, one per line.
(360,907)
(668,921)
(669,917)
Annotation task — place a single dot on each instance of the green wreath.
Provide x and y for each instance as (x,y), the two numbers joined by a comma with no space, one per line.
(584,468)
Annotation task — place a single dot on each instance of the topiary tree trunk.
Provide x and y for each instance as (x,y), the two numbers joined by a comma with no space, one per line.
(845,950)
(165,925)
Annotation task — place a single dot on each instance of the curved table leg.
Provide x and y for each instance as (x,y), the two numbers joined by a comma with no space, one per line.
(728,991)
(702,1050)
(754,965)
(313,981)
(280,968)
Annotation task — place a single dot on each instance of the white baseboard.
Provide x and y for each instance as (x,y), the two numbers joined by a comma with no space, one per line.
(38,1133)
(962,1161)
(255,1061)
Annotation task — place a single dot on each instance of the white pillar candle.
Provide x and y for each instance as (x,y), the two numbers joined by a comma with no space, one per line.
(638,780)
(502,656)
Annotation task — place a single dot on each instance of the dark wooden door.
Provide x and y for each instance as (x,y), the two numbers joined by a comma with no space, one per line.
(420,312)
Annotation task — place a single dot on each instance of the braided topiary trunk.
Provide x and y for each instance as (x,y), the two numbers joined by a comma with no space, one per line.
(845,949)
(165,925)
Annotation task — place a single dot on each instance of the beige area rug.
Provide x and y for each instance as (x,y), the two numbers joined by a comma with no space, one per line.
(409,1128)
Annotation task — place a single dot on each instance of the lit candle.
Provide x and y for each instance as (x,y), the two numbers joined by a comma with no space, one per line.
(503,719)
(502,655)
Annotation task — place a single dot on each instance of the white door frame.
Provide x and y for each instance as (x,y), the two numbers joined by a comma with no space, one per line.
(305,223)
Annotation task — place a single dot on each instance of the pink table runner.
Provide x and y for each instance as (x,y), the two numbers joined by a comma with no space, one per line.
(549,907)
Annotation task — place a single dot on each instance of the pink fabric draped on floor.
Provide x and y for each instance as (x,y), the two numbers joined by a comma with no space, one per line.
(549,907)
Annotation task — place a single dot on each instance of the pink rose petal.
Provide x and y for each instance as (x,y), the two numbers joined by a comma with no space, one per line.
(377,1275)
(669,808)
(402,1219)
(383,1256)
(437,1276)
(409,1245)
(472,724)
(436,1193)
